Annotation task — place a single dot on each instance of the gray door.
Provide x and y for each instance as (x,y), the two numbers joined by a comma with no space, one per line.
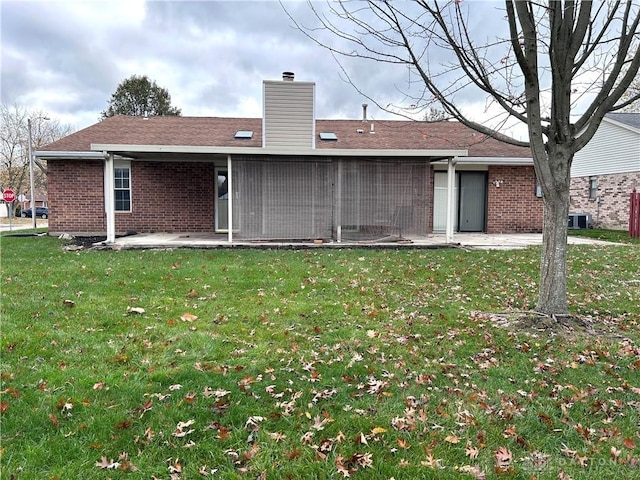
(473,194)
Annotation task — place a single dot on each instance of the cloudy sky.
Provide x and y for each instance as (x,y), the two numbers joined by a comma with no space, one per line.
(66,58)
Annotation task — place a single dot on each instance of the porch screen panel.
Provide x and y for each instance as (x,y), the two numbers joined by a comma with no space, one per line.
(383,198)
(284,200)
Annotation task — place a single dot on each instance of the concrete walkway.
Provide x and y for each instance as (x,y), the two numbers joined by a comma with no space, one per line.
(463,240)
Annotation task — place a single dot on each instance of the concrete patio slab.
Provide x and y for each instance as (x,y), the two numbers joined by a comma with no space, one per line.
(461,240)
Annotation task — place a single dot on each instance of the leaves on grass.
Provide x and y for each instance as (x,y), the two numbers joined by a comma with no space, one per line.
(331,370)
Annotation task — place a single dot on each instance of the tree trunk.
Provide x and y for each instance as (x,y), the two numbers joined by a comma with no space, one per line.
(552,295)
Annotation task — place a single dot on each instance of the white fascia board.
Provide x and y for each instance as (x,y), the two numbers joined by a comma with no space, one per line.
(333,152)
(620,124)
(506,161)
(70,154)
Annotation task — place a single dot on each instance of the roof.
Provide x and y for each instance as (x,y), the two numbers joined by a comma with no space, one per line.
(351,134)
(629,119)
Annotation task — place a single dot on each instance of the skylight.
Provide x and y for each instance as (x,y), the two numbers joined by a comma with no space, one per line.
(244,134)
(328,136)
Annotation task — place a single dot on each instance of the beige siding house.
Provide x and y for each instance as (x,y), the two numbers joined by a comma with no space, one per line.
(606,171)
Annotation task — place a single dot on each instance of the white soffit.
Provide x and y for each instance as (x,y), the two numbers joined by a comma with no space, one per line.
(506,161)
(333,152)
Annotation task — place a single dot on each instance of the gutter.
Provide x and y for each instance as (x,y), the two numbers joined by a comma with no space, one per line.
(322,152)
(68,154)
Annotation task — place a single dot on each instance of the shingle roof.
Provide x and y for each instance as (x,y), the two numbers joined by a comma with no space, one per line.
(631,119)
(352,134)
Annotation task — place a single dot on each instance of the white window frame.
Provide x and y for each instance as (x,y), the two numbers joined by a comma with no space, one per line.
(121,165)
(593,188)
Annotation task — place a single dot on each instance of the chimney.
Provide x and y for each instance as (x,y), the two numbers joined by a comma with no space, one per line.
(364,112)
(288,120)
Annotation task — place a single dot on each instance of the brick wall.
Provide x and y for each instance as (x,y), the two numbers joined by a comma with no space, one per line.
(76,197)
(612,211)
(170,197)
(165,197)
(513,206)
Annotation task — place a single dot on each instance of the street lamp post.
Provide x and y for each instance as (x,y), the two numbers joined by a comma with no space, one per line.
(33,207)
(31,174)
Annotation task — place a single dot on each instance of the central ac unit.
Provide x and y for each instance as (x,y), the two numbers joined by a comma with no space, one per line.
(579,220)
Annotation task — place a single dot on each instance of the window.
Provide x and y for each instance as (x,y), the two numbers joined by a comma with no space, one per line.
(328,136)
(122,190)
(593,188)
(244,134)
(538,189)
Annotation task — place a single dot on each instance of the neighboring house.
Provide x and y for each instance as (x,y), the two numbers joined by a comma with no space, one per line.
(40,200)
(287,176)
(606,171)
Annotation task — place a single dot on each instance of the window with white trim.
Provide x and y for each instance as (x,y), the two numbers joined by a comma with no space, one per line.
(122,188)
(593,188)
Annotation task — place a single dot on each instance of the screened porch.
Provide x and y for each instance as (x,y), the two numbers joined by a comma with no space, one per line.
(329,199)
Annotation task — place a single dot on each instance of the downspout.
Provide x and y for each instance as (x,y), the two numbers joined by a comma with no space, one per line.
(230,200)
(109,202)
(451,185)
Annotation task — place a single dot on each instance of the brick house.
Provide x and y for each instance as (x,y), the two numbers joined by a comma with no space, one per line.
(606,171)
(288,176)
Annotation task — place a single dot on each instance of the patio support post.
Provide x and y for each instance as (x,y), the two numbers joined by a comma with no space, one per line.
(109,202)
(338,213)
(451,185)
(230,201)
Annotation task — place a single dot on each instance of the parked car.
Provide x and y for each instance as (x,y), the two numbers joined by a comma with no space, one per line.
(42,212)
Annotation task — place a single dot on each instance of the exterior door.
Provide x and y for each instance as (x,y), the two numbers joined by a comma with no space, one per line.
(473,194)
(222,201)
(440,202)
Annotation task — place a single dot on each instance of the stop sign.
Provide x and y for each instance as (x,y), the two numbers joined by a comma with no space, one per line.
(8,195)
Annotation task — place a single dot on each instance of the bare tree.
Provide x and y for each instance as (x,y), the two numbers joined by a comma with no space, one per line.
(632,92)
(14,146)
(546,71)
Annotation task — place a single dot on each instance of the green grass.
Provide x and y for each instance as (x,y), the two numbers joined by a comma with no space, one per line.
(312,363)
(616,236)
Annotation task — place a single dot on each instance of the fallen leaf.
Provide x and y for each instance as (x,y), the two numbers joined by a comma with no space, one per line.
(135,310)
(471,451)
(451,439)
(107,464)
(474,471)
(402,443)
(188,317)
(503,458)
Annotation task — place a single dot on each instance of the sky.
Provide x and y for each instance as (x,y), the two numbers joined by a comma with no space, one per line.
(66,58)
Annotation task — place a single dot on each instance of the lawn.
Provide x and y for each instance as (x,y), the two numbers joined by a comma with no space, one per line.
(372,364)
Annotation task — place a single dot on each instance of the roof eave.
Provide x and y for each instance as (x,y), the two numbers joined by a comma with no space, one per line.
(503,161)
(69,154)
(334,152)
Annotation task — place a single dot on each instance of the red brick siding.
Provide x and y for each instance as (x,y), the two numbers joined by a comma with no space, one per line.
(76,196)
(165,197)
(170,197)
(513,206)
